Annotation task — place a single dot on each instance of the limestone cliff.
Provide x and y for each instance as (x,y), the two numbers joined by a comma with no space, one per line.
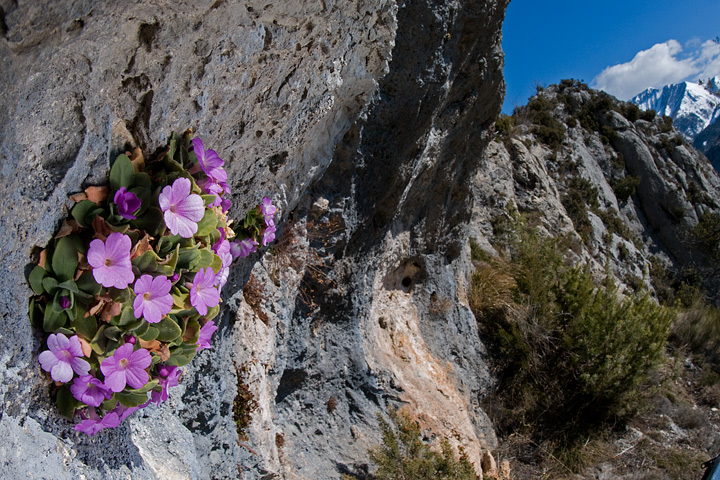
(365,122)
(623,185)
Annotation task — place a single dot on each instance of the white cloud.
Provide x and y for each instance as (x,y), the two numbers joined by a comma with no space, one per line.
(660,65)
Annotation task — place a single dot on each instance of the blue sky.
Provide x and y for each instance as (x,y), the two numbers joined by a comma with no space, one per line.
(617,46)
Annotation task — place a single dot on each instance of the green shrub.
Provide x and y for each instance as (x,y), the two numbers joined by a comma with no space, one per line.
(504,125)
(666,125)
(648,115)
(707,234)
(630,111)
(403,454)
(570,353)
(626,187)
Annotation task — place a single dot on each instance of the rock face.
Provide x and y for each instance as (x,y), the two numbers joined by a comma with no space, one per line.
(626,191)
(364,121)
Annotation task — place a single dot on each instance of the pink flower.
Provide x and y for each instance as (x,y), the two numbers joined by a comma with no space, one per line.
(210,162)
(167,377)
(222,250)
(127,203)
(268,210)
(203,293)
(91,426)
(206,332)
(243,248)
(268,235)
(153,300)
(126,367)
(90,390)
(181,209)
(111,260)
(64,357)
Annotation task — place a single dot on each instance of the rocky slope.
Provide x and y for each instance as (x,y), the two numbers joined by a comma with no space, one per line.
(364,121)
(623,184)
(624,191)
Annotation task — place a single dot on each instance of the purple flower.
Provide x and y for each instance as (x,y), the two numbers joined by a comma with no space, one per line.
(90,390)
(223,251)
(203,293)
(243,248)
(268,235)
(64,302)
(153,299)
(123,412)
(130,339)
(206,332)
(63,358)
(127,203)
(111,260)
(268,210)
(182,209)
(210,161)
(126,367)
(91,426)
(167,377)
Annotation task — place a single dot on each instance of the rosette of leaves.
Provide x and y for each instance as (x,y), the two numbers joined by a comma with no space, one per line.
(174,244)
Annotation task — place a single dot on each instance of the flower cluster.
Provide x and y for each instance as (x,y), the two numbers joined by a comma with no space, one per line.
(128,289)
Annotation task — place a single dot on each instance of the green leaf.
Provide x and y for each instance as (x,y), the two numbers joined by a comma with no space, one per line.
(206,259)
(188,258)
(99,341)
(168,243)
(208,199)
(207,224)
(151,220)
(131,398)
(85,326)
(194,326)
(141,180)
(145,388)
(55,317)
(66,402)
(216,264)
(147,262)
(151,334)
(35,279)
(50,285)
(65,257)
(69,285)
(87,284)
(141,329)
(122,173)
(168,330)
(108,405)
(178,360)
(113,333)
(127,317)
(212,312)
(36,314)
(85,212)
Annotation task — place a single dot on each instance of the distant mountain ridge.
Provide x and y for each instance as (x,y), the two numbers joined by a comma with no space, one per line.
(692,106)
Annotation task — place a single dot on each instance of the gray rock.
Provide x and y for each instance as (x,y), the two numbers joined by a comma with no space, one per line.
(380,108)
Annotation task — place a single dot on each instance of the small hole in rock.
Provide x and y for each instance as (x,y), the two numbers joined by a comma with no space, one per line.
(406,282)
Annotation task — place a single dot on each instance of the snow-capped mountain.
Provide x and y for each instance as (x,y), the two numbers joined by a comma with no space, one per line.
(692,106)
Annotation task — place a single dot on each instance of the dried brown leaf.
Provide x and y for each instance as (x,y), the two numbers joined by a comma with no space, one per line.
(78,197)
(97,194)
(68,227)
(142,246)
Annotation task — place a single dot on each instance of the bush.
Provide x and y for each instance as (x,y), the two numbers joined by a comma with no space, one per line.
(626,187)
(403,454)
(648,115)
(569,352)
(504,125)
